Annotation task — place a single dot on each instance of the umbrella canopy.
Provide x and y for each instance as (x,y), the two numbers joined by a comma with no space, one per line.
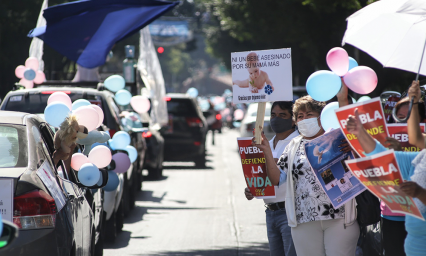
(85,31)
(391,31)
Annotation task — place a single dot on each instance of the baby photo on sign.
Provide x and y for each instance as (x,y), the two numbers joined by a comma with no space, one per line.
(261,76)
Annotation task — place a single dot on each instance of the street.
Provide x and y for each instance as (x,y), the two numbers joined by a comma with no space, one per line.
(196,211)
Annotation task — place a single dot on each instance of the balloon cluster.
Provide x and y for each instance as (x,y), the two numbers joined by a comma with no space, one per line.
(88,167)
(324,84)
(121,141)
(59,106)
(29,73)
(116,83)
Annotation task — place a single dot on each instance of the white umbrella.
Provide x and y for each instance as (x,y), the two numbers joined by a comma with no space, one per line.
(391,31)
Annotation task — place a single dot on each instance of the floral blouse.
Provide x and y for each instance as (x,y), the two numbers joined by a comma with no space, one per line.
(311,202)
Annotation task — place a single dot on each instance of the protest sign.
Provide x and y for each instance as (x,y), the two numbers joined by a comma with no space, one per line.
(6,198)
(262,76)
(380,173)
(327,162)
(372,118)
(400,133)
(390,104)
(254,168)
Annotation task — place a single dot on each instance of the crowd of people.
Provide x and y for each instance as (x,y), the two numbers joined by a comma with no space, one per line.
(301,219)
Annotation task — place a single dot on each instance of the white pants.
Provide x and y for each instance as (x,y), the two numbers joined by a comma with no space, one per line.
(327,237)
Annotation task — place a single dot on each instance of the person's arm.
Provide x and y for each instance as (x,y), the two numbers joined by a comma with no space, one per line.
(241,83)
(411,188)
(355,127)
(342,95)
(394,144)
(272,169)
(415,136)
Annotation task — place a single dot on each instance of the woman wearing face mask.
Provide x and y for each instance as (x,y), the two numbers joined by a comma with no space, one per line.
(316,227)
(279,233)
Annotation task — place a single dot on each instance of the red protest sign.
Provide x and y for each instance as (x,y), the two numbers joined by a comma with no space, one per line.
(254,168)
(380,174)
(400,133)
(389,105)
(372,118)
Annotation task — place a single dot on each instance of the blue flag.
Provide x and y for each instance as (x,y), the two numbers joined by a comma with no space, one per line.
(85,31)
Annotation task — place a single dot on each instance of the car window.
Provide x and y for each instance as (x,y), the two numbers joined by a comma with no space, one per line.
(13,151)
(181,107)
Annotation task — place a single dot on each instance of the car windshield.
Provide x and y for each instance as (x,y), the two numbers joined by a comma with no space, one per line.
(181,107)
(13,143)
(35,103)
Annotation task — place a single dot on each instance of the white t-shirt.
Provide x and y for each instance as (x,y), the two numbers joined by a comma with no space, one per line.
(276,153)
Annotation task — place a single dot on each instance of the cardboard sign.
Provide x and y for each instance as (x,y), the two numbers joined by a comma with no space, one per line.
(254,168)
(389,105)
(327,162)
(262,76)
(400,133)
(372,118)
(45,174)
(380,173)
(6,199)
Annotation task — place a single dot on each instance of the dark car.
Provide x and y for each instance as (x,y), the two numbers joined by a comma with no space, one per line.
(50,210)
(141,123)
(35,101)
(185,134)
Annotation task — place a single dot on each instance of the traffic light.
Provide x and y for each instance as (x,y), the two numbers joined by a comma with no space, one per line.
(160,50)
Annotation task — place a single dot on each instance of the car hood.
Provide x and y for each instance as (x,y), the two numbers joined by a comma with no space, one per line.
(12,172)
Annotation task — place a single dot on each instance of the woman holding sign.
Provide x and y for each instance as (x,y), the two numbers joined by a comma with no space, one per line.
(413,169)
(317,228)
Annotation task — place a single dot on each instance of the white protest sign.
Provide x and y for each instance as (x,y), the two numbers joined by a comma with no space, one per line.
(44,173)
(262,76)
(6,199)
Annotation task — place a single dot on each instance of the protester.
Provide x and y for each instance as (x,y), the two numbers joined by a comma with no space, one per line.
(316,227)
(415,135)
(413,169)
(279,233)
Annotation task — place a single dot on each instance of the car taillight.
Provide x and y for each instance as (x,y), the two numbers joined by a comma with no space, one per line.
(167,98)
(50,92)
(147,134)
(112,132)
(194,121)
(197,143)
(33,210)
(218,116)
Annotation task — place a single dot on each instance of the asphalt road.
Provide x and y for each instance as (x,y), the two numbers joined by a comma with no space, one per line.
(196,211)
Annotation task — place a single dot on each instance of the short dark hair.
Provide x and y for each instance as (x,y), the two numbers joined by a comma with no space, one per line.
(284,105)
(406,101)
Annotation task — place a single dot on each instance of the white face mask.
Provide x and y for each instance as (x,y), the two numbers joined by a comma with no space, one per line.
(309,127)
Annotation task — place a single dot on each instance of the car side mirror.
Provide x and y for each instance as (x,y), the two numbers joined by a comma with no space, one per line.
(9,233)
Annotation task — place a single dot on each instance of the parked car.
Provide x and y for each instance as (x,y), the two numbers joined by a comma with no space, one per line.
(50,210)
(141,123)
(8,234)
(185,134)
(249,121)
(35,101)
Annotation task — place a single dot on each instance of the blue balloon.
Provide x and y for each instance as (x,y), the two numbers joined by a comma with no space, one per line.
(120,140)
(114,83)
(112,183)
(364,98)
(29,74)
(111,144)
(328,116)
(55,113)
(123,97)
(88,174)
(192,92)
(80,103)
(352,63)
(323,85)
(133,153)
(101,179)
(220,106)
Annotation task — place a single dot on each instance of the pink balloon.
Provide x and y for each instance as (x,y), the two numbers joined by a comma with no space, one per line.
(77,160)
(32,63)
(100,114)
(361,79)
(238,114)
(87,116)
(27,84)
(60,97)
(100,156)
(19,71)
(40,77)
(338,61)
(140,104)
(122,162)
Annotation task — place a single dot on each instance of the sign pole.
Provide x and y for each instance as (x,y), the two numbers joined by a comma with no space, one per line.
(259,122)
